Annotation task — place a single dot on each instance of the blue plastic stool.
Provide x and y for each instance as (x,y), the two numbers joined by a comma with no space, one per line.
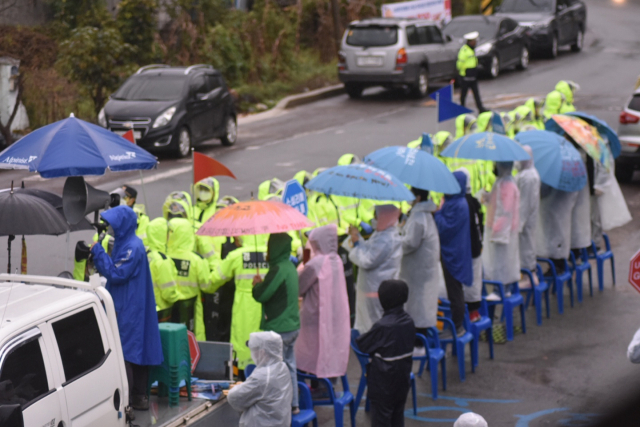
(579,269)
(538,291)
(558,280)
(339,402)
(509,303)
(307,414)
(457,343)
(363,359)
(434,356)
(601,258)
(484,324)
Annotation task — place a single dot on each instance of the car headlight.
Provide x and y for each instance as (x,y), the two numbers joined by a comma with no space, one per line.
(102,118)
(164,118)
(483,49)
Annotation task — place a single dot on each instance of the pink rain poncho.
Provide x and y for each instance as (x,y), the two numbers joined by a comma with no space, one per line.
(322,347)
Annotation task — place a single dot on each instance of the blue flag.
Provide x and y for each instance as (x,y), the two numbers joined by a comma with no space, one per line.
(497,124)
(446,93)
(426,144)
(448,110)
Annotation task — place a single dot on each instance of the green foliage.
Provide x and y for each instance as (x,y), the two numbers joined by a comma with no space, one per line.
(96,60)
(71,14)
(137,24)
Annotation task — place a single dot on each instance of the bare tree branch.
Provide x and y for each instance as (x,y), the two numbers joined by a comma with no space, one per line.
(7,4)
(6,129)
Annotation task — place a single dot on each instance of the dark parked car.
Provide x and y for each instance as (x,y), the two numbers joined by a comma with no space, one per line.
(502,42)
(629,134)
(173,108)
(551,23)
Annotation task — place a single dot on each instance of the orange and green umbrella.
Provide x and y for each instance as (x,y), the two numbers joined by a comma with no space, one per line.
(583,134)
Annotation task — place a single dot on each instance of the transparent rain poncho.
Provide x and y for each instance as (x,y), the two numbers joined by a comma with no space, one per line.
(528,181)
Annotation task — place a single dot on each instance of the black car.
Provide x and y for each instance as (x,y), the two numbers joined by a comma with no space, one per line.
(550,23)
(502,42)
(173,108)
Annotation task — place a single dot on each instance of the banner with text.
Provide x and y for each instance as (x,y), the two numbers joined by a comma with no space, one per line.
(434,10)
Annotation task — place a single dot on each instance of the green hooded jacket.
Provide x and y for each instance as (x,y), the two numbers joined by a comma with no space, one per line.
(535,107)
(163,269)
(202,210)
(278,292)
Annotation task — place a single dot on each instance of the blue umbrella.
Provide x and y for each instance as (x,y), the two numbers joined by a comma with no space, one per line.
(603,128)
(73,147)
(415,167)
(556,159)
(486,146)
(361,182)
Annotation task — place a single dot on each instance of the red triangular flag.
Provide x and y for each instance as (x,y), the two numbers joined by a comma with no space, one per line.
(205,166)
(128,135)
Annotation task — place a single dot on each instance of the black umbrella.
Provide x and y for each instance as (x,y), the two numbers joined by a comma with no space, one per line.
(24,214)
(55,201)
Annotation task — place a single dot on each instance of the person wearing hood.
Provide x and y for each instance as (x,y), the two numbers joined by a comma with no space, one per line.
(453,222)
(206,191)
(528,181)
(378,259)
(389,342)
(473,293)
(581,214)
(323,345)
(501,253)
(130,285)
(470,419)
(192,276)
(420,265)
(163,269)
(560,100)
(278,294)
(263,398)
(466,124)
(536,106)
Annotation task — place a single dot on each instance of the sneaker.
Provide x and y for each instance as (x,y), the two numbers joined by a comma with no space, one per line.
(474,316)
(295,410)
(419,352)
(140,403)
(460,332)
(493,297)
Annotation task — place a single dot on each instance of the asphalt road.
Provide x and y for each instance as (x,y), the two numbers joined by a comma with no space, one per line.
(563,373)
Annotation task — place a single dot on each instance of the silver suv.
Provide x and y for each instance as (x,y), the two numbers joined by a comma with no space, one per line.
(395,52)
(629,134)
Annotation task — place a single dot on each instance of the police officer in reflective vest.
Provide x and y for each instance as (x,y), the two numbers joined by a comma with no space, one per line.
(468,69)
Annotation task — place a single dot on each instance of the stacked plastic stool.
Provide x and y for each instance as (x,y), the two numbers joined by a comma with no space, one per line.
(177,363)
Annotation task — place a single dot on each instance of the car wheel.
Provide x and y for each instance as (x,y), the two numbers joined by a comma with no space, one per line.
(183,146)
(494,68)
(524,59)
(230,132)
(421,86)
(353,90)
(577,46)
(624,172)
(553,48)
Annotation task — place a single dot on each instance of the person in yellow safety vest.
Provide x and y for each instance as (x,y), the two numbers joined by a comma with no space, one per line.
(296,236)
(560,100)
(241,265)
(441,140)
(206,192)
(270,186)
(467,65)
(523,119)
(536,106)
(163,269)
(192,275)
(348,207)
(465,124)
(509,125)
(181,196)
(484,122)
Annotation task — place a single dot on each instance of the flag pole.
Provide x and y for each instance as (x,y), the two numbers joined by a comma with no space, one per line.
(144,191)
(193,187)
(437,111)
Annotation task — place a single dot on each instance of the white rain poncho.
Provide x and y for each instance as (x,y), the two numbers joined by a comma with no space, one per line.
(553,238)
(633,353)
(420,266)
(470,419)
(501,253)
(378,259)
(612,207)
(581,220)
(528,181)
(265,397)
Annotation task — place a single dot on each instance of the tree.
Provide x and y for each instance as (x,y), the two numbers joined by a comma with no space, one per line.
(137,23)
(5,130)
(97,60)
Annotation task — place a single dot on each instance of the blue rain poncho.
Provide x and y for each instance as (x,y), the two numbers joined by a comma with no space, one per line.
(129,283)
(455,234)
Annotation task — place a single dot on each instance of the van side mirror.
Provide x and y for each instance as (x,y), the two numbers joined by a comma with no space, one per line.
(11,416)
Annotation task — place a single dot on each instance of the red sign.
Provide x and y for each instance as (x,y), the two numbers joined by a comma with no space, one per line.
(194,350)
(634,271)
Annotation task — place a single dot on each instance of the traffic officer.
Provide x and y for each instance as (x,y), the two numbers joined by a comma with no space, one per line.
(560,100)
(240,266)
(163,269)
(466,124)
(536,106)
(467,65)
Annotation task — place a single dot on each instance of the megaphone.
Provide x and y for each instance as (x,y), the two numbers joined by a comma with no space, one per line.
(80,199)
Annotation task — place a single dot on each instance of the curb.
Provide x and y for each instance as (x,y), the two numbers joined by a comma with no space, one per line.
(295,101)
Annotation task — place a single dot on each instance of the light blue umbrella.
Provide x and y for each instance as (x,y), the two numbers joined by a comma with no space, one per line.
(73,147)
(361,182)
(556,159)
(486,146)
(415,167)
(604,129)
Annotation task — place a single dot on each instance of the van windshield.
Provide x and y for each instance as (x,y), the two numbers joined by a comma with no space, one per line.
(372,35)
(151,88)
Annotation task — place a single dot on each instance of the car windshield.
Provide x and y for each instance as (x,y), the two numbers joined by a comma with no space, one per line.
(373,35)
(459,27)
(151,88)
(526,6)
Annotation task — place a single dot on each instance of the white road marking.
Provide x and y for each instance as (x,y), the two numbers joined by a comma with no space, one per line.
(162,175)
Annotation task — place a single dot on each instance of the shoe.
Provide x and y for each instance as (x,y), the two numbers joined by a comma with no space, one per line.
(460,332)
(140,403)
(295,410)
(129,414)
(419,352)
(445,335)
(474,316)
(493,297)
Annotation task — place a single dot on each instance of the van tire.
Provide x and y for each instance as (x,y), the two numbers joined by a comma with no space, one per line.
(624,173)
(420,88)
(354,90)
(230,132)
